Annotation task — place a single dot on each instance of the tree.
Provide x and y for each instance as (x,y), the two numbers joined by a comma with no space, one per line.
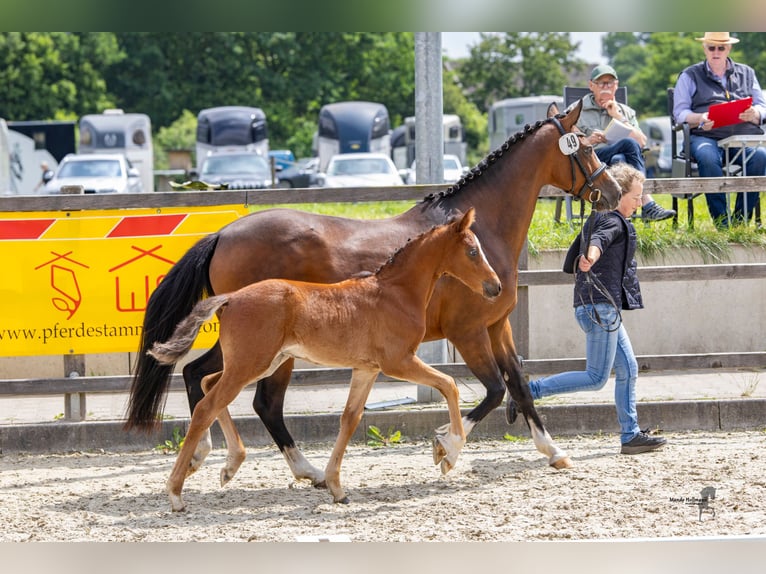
(516,64)
(55,75)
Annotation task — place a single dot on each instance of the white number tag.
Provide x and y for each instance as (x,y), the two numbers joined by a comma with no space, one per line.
(569,144)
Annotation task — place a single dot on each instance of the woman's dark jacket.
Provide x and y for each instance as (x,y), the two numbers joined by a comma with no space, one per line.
(615,236)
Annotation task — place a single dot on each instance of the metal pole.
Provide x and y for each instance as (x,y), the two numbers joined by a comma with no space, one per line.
(429,155)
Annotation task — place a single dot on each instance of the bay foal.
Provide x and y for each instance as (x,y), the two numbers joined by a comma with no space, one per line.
(370,324)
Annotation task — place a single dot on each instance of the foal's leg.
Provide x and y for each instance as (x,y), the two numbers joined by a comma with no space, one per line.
(447,447)
(361,383)
(505,354)
(194,372)
(202,417)
(235,455)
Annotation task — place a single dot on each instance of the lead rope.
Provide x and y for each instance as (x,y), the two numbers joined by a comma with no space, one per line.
(594,283)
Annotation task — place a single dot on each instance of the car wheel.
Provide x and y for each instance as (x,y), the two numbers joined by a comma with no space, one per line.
(284,184)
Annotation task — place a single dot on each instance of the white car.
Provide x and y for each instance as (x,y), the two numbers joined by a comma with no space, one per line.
(453,170)
(96,173)
(361,170)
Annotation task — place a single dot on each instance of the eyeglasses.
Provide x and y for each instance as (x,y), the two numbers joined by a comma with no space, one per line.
(606,85)
(714,48)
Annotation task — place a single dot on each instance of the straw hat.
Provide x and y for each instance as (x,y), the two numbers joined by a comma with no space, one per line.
(717,38)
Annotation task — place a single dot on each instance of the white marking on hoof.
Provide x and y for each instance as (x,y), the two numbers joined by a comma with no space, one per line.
(560,461)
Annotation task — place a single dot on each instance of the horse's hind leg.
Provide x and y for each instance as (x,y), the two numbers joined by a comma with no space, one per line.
(235,455)
(269,405)
(194,372)
(506,357)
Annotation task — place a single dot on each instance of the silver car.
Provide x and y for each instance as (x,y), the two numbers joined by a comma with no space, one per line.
(95,173)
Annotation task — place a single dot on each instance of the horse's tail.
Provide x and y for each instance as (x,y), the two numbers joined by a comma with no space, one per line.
(175,348)
(185,284)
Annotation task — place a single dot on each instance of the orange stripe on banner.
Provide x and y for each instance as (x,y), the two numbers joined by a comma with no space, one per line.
(24,229)
(142,225)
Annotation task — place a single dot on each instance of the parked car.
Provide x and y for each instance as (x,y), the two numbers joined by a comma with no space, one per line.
(303,173)
(453,170)
(95,172)
(235,169)
(360,170)
(283,158)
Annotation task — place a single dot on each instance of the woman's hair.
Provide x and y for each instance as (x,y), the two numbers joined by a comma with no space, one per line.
(625,175)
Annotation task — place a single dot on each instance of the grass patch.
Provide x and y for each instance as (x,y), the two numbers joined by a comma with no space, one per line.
(654,239)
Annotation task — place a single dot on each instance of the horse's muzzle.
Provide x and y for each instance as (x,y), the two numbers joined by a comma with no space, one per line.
(492,289)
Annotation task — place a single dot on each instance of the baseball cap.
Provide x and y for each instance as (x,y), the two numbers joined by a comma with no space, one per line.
(602,70)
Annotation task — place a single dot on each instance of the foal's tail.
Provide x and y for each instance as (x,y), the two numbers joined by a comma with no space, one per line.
(174,349)
(185,284)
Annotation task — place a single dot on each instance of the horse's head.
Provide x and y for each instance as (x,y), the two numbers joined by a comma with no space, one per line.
(588,177)
(467,261)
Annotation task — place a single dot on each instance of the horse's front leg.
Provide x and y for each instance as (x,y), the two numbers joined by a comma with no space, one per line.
(521,397)
(269,405)
(446,446)
(361,383)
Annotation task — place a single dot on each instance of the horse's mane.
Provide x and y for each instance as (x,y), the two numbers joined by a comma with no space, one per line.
(410,241)
(484,164)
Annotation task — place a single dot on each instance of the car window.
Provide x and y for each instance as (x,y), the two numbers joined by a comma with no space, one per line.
(235,164)
(95,168)
(450,163)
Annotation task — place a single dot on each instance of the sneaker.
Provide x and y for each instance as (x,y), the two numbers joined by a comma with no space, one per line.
(642,442)
(653,211)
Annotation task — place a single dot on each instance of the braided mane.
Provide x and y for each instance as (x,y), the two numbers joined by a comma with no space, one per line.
(484,164)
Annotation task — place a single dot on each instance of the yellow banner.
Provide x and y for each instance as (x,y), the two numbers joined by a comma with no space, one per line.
(79,281)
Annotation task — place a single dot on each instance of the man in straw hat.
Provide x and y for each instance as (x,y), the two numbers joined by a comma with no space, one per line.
(716,80)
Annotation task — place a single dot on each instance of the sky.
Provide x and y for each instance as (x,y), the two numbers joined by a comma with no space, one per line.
(456,44)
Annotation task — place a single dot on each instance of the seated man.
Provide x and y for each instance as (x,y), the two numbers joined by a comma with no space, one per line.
(599,108)
(716,80)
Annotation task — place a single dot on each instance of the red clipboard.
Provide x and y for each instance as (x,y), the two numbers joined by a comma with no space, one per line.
(727,113)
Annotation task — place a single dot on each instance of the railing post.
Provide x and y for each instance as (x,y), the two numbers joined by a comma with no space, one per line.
(74,403)
(519,318)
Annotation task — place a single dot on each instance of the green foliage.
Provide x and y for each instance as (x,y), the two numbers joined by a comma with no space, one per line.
(173,444)
(180,135)
(513,438)
(375,438)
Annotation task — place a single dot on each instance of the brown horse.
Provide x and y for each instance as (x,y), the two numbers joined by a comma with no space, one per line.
(289,244)
(371,324)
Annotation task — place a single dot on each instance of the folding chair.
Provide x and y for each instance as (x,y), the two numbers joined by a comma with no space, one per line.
(684,166)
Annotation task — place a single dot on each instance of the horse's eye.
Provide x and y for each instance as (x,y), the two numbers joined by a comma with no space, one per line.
(473,252)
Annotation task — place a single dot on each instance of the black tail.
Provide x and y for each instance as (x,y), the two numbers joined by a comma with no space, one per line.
(186,283)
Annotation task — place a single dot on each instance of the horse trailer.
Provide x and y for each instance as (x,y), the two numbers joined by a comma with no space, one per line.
(352,127)
(506,117)
(231,128)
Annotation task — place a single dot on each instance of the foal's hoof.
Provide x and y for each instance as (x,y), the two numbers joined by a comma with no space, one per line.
(511,412)
(320,484)
(439,451)
(226,476)
(562,463)
(343,500)
(446,466)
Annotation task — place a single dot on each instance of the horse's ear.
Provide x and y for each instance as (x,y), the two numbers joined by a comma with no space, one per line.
(467,220)
(571,118)
(553,110)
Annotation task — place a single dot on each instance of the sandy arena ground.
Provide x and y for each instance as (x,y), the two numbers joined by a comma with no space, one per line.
(499,491)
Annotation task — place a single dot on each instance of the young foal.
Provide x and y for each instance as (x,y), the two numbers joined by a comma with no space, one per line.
(370,324)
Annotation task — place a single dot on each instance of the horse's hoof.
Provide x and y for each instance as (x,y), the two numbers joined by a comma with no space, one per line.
(446,466)
(511,412)
(343,500)
(225,476)
(562,463)
(439,452)
(320,484)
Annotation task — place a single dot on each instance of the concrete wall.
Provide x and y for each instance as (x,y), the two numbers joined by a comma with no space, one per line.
(727,315)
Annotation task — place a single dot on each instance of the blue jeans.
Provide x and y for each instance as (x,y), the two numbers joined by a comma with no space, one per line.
(604,349)
(709,158)
(625,150)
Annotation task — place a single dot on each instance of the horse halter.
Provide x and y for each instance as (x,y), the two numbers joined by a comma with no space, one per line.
(574,158)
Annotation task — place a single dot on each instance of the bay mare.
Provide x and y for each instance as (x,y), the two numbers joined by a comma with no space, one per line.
(289,244)
(371,324)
